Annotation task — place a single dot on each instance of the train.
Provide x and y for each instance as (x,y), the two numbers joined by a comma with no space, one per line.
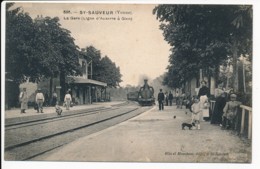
(133,96)
(145,95)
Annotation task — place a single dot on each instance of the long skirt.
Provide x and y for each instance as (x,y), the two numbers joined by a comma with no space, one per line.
(205,110)
(24,105)
(54,100)
(218,110)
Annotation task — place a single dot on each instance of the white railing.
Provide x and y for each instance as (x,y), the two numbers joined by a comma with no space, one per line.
(244,110)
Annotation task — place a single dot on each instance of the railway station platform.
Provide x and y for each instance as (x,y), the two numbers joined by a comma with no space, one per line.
(156,136)
(16,112)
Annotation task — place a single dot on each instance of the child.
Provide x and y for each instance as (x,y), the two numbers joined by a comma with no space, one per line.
(58,109)
(196,112)
(230,117)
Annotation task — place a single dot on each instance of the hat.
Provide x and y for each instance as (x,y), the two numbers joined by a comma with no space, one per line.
(203,81)
(233,95)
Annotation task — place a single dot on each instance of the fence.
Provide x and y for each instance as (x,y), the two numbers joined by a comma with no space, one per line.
(249,127)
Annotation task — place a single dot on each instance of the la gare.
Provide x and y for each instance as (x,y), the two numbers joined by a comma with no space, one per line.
(74,18)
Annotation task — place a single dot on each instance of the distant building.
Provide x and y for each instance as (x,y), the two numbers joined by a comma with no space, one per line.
(82,89)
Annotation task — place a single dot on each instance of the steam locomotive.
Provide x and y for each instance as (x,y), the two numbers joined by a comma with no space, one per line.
(146,95)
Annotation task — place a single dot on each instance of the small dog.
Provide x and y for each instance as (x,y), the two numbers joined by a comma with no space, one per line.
(58,110)
(183,125)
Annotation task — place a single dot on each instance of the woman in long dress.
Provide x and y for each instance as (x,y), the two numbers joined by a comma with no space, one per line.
(203,96)
(220,96)
(24,100)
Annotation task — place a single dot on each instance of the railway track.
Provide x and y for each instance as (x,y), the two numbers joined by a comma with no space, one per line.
(54,118)
(26,141)
(44,117)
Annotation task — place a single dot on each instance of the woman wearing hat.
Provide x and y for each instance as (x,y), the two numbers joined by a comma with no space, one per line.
(220,96)
(204,90)
(203,96)
(24,100)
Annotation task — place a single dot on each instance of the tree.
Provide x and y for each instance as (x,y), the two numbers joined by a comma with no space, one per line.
(110,73)
(59,54)
(241,38)
(21,61)
(201,36)
(103,68)
(20,31)
(37,49)
(93,56)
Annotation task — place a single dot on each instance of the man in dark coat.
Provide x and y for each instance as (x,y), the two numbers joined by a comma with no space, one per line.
(170,98)
(160,99)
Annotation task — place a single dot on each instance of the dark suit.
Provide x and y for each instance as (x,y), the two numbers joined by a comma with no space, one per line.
(160,100)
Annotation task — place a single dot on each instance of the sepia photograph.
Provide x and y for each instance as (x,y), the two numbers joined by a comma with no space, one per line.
(132,83)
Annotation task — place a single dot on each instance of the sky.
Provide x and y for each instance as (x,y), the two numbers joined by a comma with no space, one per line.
(135,42)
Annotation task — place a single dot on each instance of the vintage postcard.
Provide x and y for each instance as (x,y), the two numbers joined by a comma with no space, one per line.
(129,84)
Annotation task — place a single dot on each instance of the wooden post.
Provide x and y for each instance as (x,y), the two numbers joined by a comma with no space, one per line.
(105,94)
(244,76)
(242,121)
(249,124)
(201,77)
(249,109)
(90,94)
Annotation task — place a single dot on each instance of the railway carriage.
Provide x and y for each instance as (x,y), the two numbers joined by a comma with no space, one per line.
(133,96)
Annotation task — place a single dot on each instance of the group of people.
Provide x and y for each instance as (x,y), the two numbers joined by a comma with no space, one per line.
(168,98)
(164,97)
(224,112)
(225,109)
(40,99)
(200,107)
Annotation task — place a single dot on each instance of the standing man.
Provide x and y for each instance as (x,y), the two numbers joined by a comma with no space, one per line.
(24,100)
(160,99)
(177,99)
(166,98)
(67,100)
(170,98)
(39,99)
(181,99)
(54,98)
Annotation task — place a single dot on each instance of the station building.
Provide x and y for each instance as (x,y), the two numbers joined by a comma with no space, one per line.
(83,89)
